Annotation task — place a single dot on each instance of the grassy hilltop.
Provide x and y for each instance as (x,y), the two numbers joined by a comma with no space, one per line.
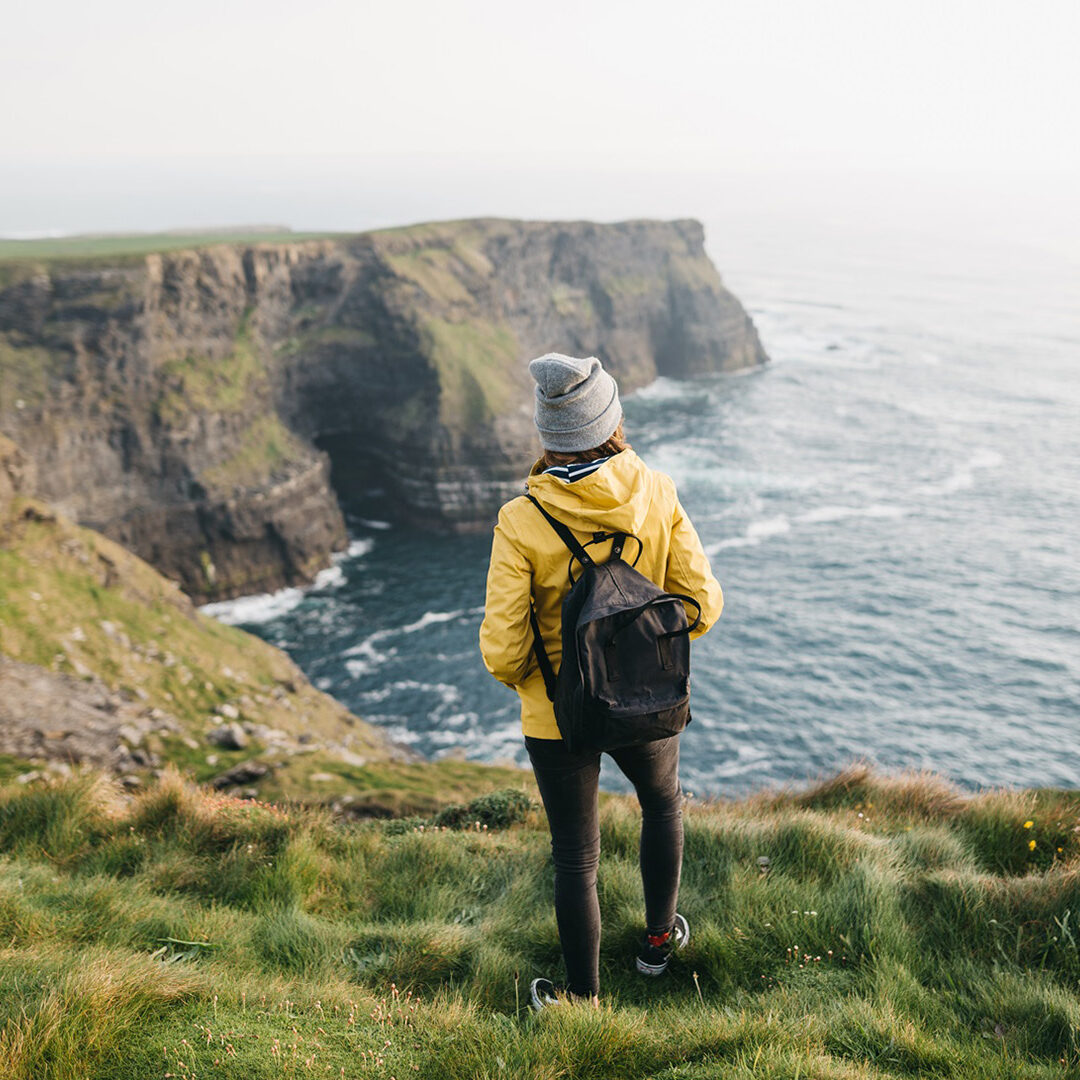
(897,929)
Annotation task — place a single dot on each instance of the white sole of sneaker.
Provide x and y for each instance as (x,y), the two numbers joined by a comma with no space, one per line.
(651,969)
(539,998)
(682,936)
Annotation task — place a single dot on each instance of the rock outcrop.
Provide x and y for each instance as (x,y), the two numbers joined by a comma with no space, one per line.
(16,475)
(104,661)
(192,404)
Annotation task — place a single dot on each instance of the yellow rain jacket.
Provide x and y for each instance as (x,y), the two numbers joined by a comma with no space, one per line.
(528,560)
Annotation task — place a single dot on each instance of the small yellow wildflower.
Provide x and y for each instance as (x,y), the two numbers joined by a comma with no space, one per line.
(1028,824)
(1031,844)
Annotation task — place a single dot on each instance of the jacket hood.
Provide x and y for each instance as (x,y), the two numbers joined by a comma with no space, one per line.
(617,496)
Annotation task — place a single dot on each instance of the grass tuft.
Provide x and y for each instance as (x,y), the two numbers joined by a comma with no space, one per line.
(867,929)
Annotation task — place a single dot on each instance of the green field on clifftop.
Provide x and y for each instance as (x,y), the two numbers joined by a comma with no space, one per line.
(899,929)
(97,246)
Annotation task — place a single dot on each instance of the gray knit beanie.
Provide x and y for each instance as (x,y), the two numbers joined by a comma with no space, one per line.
(577,402)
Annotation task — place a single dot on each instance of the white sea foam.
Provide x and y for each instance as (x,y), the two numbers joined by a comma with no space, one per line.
(259,608)
(754,533)
(433,618)
(761,530)
(663,388)
(985,459)
(357,548)
(447,693)
(264,607)
(460,720)
(758,531)
(823,515)
(365,656)
(370,523)
(963,476)
(330,578)
(730,542)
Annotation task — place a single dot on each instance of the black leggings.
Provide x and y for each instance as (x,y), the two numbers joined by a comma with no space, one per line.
(568,786)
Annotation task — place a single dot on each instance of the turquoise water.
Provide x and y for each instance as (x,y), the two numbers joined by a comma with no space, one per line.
(892,507)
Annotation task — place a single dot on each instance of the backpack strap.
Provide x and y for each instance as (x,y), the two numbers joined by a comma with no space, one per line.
(541,654)
(579,553)
(565,535)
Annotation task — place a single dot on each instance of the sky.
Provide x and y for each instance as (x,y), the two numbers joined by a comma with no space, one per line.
(344,114)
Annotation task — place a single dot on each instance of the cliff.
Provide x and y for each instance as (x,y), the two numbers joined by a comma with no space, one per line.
(104,661)
(191,404)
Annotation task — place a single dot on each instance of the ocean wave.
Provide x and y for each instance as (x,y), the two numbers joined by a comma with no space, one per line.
(963,476)
(845,352)
(265,607)
(823,515)
(365,656)
(332,577)
(356,548)
(758,531)
(447,693)
(260,608)
(433,618)
(754,533)
(663,388)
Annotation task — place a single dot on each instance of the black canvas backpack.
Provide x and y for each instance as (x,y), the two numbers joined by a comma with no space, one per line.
(625,671)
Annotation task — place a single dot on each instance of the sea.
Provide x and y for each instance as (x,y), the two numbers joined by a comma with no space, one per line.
(892,506)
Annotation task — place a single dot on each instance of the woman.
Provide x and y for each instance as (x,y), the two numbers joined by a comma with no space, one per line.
(592,481)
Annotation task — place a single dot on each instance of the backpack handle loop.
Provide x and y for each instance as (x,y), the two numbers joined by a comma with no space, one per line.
(697,618)
(616,550)
(665,599)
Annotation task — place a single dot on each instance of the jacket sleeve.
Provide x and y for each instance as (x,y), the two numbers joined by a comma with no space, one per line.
(505,633)
(688,571)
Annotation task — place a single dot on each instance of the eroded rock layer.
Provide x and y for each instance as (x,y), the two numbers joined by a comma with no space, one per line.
(178,402)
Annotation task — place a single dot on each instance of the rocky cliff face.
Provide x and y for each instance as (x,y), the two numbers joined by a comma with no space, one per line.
(191,404)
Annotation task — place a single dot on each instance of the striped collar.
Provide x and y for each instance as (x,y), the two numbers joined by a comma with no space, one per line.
(576,470)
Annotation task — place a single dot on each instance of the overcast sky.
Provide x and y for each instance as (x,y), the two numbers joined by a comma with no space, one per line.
(339,113)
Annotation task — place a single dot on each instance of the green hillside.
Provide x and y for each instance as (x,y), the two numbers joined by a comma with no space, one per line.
(897,929)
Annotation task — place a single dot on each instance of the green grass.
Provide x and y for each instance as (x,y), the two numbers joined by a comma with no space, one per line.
(570,302)
(195,382)
(633,286)
(24,374)
(267,449)
(385,789)
(436,271)
(698,273)
(70,247)
(186,934)
(475,361)
(75,602)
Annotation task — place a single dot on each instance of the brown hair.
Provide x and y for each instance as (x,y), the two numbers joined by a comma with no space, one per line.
(617,442)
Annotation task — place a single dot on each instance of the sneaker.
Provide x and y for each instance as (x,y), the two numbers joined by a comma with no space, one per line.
(656,949)
(542,993)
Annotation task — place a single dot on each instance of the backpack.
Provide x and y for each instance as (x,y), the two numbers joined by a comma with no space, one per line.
(625,672)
